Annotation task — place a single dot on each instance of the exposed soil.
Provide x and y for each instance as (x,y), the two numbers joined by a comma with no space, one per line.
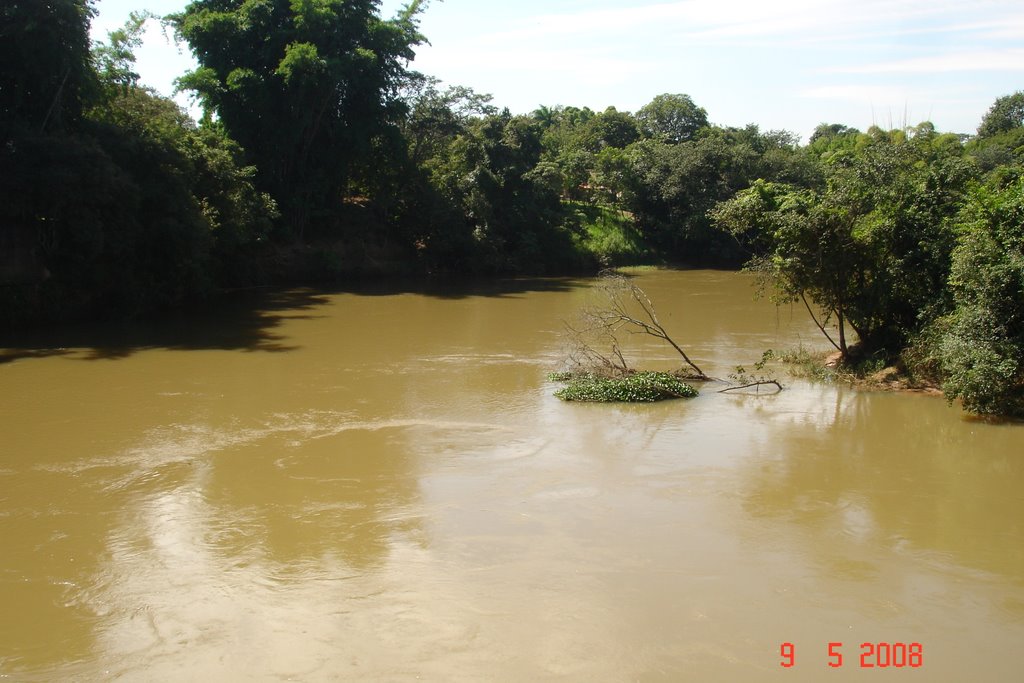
(890,378)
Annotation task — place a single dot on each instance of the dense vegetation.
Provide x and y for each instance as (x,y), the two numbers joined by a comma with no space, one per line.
(637,387)
(322,155)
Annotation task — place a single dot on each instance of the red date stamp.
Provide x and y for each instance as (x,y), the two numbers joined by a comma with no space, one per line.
(872,655)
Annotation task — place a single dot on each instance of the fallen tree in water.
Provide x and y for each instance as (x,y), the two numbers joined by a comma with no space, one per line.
(742,380)
(597,368)
(626,308)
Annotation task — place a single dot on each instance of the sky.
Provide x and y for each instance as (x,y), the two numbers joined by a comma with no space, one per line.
(782,64)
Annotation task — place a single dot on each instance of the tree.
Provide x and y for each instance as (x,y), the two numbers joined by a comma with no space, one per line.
(434,116)
(546,116)
(673,187)
(671,118)
(831,130)
(115,60)
(1006,113)
(132,208)
(1000,139)
(981,348)
(306,86)
(508,196)
(872,247)
(596,374)
(45,77)
(813,254)
(611,128)
(627,308)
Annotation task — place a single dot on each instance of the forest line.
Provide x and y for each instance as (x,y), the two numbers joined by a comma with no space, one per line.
(323,155)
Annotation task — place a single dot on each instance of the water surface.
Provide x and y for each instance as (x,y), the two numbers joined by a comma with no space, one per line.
(379,485)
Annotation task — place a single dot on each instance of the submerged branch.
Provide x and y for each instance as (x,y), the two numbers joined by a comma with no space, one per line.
(597,375)
(758,384)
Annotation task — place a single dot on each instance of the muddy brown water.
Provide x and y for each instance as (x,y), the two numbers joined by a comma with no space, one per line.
(379,485)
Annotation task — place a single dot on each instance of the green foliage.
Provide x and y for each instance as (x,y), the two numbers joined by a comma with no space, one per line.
(582,143)
(671,118)
(509,198)
(638,387)
(672,188)
(998,152)
(610,128)
(741,376)
(435,117)
(828,133)
(134,209)
(115,60)
(902,244)
(982,348)
(111,220)
(45,76)
(811,365)
(139,214)
(608,234)
(872,247)
(308,87)
(1006,113)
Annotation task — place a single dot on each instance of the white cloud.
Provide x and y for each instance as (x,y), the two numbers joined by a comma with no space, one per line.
(980,60)
(736,20)
(857,93)
(745,60)
(585,66)
(891,106)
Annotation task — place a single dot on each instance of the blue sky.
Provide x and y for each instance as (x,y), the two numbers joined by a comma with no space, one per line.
(787,64)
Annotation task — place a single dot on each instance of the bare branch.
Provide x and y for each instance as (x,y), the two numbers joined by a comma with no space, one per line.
(583,355)
(820,326)
(758,384)
(625,307)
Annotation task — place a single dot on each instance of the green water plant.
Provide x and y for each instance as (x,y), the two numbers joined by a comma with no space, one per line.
(596,366)
(636,387)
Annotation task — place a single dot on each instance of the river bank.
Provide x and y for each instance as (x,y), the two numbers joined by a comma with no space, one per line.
(828,366)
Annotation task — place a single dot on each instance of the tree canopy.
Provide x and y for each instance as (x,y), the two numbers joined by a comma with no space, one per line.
(323,155)
(672,118)
(1006,114)
(45,75)
(981,341)
(305,86)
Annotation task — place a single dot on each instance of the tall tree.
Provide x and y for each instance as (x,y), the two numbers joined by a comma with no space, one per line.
(1006,113)
(872,247)
(827,131)
(45,76)
(671,118)
(304,85)
(982,343)
(508,196)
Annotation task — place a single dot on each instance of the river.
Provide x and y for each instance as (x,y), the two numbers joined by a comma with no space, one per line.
(379,485)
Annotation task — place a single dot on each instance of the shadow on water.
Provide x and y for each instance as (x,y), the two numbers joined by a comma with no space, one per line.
(243,320)
(455,288)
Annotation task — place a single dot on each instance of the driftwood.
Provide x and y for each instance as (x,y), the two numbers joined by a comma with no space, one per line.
(758,384)
(626,308)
